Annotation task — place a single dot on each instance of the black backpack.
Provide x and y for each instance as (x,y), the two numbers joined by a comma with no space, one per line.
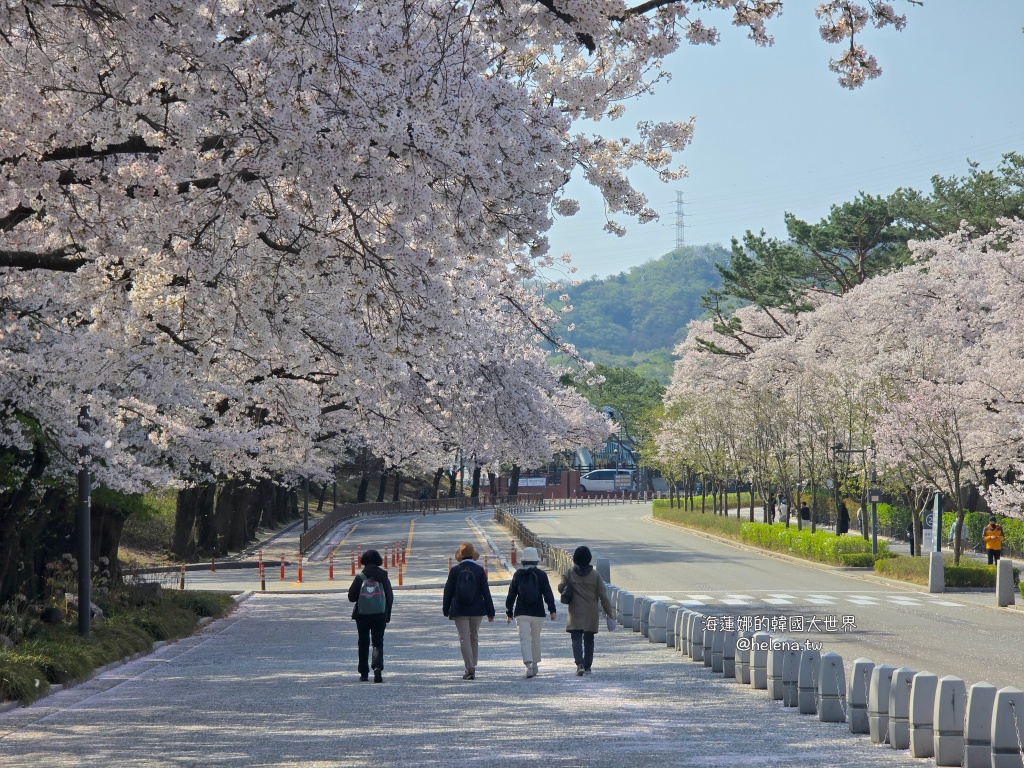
(466,587)
(529,587)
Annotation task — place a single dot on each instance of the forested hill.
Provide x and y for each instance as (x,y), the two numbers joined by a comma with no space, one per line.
(635,318)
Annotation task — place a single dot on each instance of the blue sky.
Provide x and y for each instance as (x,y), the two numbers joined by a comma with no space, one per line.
(775,131)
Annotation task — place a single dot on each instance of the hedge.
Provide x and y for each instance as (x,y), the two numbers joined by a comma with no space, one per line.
(823,546)
(915,570)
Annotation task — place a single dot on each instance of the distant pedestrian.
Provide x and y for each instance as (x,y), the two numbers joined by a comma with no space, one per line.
(805,511)
(467,599)
(993,538)
(954,530)
(373,598)
(529,591)
(587,591)
(844,520)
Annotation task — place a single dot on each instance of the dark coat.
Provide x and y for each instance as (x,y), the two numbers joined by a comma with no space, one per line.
(516,607)
(483,605)
(587,591)
(378,573)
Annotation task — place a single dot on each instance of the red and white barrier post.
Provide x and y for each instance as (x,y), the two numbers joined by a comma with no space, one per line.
(330,568)
(300,568)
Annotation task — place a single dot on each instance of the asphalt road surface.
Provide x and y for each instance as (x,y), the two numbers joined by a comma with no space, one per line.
(955,633)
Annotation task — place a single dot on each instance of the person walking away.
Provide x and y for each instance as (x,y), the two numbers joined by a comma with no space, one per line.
(527,594)
(993,538)
(587,588)
(373,598)
(467,599)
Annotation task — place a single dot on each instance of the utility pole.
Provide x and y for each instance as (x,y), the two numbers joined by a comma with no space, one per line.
(680,224)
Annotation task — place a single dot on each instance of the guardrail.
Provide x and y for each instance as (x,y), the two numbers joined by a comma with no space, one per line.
(558,560)
(420,506)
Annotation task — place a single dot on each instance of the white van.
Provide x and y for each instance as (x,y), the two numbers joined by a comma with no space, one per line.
(607,480)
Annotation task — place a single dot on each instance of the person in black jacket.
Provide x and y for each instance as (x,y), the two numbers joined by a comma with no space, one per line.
(466,601)
(370,623)
(529,613)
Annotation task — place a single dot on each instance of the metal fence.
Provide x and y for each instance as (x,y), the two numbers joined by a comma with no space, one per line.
(558,560)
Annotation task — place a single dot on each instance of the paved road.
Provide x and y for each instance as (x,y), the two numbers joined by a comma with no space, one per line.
(959,634)
(429,541)
(275,685)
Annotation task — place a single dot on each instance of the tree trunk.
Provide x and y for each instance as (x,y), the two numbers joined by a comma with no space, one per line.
(492,480)
(437,482)
(364,483)
(475,491)
(396,493)
(453,483)
(513,487)
(193,504)
(382,487)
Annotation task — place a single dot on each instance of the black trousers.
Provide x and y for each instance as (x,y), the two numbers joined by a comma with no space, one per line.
(993,555)
(371,632)
(582,647)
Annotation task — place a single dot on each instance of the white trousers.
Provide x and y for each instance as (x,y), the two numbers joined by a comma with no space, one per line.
(529,637)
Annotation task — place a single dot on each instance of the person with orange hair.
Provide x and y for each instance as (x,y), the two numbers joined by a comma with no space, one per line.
(467,599)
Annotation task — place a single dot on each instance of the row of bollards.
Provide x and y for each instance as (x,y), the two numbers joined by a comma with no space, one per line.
(941,718)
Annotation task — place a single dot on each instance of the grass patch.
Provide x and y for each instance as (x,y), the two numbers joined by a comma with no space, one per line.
(915,570)
(822,546)
(135,618)
(727,527)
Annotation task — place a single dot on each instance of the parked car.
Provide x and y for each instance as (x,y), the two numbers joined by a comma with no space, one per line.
(606,480)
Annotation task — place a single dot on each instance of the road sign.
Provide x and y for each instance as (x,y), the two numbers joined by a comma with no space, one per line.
(928,520)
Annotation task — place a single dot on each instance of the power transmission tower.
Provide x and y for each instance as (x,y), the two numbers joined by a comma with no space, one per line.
(680,224)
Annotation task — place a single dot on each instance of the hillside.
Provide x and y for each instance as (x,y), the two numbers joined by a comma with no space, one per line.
(635,318)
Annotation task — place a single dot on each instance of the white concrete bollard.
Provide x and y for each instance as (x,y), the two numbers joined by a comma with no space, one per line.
(878,703)
(807,682)
(899,708)
(936,572)
(742,672)
(717,650)
(948,721)
(776,661)
(729,653)
(831,689)
(695,633)
(1008,728)
(624,610)
(1005,588)
(857,695)
(656,621)
(638,612)
(790,674)
(681,629)
(759,660)
(922,710)
(645,618)
(981,697)
(708,642)
(670,625)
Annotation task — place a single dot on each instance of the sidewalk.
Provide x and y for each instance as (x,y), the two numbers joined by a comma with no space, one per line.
(274,684)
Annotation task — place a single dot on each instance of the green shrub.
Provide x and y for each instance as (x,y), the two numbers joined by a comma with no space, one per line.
(823,546)
(892,517)
(20,679)
(915,570)
(201,604)
(720,525)
(857,559)
(1021,586)
(904,568)
(57,654)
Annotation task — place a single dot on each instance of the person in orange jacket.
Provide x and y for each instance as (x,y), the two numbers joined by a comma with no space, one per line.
(993,537)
